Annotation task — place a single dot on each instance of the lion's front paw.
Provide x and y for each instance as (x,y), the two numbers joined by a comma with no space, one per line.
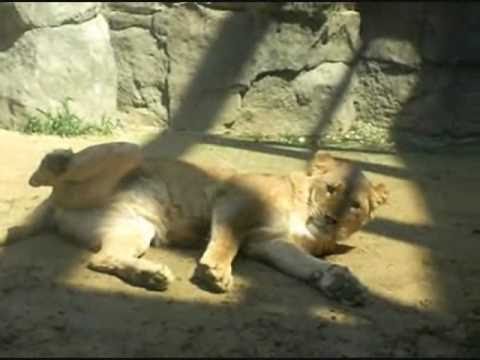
(157,280)
(214,278)
(338,283)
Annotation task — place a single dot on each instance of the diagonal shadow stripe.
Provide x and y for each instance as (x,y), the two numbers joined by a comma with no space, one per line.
(245,45)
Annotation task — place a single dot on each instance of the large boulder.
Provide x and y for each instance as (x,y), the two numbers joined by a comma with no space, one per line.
(45,66)
(11,25)
(216,56)
(136,7)
(450,33)
(207,51)
(119,20)
(316,102)
(39,14)
(338,39)
(463,100)
(391,32)
(326,93)
(270,108)
(382,92)
(142,75)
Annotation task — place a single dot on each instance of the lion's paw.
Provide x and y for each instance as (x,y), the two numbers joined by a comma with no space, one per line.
(338,283)
(214,278)
(158,280)
(149,276)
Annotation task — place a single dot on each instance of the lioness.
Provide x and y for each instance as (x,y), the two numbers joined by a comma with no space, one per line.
(117,202)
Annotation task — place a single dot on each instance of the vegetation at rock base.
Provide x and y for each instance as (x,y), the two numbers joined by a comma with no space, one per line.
(64,122)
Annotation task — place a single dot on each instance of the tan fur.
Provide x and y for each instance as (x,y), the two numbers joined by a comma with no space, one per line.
(89,178)
(286,221)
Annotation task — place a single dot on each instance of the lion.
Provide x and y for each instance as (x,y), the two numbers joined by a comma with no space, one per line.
(117,202)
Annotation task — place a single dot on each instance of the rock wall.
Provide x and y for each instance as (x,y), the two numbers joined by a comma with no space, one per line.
(50,52)
(364,72)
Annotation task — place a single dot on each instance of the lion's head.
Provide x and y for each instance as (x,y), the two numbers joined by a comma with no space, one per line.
(51,167)
(341,199)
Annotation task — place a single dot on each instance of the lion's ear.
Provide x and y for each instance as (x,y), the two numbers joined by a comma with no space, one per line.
(321,163)
(378,196)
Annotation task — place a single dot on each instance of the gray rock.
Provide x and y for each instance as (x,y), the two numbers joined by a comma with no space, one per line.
(284,46)
(293,46)
(338,40)
(135,118)
(118,20)
(382,92)
(142,70)
(206,49)
(429,102)
(270,68)
(212,50)
(391,32)
(11,25)
(270,108)
(428,109)
(226,5)
(314,103)
(224,104)
(440,27)
(425,115)
(398,51)
(327,91)
(142,7)
(242,5)
(45,66)
(463,98)
(36,14)
(305,10)
(448,36)
(308,9)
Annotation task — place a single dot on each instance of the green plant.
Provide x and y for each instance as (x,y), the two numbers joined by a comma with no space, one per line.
(64,122)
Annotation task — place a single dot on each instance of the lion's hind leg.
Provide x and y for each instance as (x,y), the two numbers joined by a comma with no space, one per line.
(123,243)
(137,272)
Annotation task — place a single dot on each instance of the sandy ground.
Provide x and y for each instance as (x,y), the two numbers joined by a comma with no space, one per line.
(419,260)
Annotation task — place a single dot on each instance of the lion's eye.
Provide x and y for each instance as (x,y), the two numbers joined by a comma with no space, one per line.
(355,205)
(331,189)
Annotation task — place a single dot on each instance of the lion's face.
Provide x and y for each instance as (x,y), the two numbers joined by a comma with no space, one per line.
(341,198)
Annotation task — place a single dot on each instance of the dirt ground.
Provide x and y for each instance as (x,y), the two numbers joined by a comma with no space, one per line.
(419,260)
